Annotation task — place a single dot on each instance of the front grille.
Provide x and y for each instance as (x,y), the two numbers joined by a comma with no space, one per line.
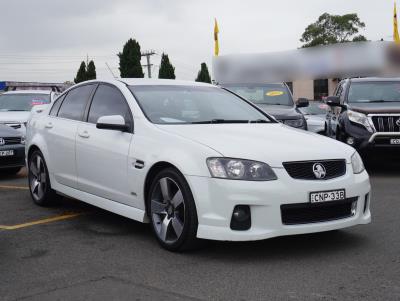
(12,140)
(306,213)
(386,123)
(304,170)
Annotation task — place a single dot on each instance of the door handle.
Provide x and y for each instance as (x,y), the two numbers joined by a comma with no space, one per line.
(84,134)
(49,125)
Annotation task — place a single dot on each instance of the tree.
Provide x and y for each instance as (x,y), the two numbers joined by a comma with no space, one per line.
(166,69)
(203,75)
(81,74)
(91,71)
(129,60)
(331,29)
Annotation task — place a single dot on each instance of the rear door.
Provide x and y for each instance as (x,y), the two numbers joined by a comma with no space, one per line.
(102,155)
(60,133)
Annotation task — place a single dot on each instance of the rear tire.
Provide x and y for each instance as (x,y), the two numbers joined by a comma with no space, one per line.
(172,211)
(39,182)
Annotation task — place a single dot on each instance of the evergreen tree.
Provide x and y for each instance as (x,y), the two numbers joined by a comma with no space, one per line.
(81,74)
(203,75)
(166,69)
(91,71)
(129,60)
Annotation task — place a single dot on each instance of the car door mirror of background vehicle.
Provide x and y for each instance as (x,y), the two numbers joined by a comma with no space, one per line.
(302,102)
(112,122)
(333,101)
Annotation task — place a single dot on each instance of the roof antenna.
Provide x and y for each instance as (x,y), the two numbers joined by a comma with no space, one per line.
(109,69)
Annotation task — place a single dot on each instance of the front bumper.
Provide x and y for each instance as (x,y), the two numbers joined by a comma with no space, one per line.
(216,198)
(17,160)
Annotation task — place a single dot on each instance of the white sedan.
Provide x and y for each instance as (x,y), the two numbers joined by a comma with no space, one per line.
(194,160)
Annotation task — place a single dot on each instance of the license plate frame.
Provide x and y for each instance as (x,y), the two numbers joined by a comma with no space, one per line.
(394,141)
(317,197)
(7,153)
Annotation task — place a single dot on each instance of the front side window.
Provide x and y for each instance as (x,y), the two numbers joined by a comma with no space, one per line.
(56,106)
(164,104)
(74,104)
(22,102)
(268,94)
(374,92)
(108,101)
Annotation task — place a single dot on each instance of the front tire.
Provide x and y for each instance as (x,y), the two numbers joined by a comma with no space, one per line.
(39,181)
(172,211)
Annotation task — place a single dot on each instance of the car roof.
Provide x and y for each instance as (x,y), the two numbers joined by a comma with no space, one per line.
(151,81)
(375,79)
(29,92)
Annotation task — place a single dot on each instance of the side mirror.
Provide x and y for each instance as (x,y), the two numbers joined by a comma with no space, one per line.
(302,103)
(112,122)
(333,101)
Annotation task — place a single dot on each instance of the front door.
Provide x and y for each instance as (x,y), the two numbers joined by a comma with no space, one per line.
(102,155)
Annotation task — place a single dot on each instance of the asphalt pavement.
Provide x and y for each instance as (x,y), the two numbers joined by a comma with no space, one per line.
(75,251)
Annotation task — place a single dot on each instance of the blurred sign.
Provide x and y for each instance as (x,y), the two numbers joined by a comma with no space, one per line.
(330,61)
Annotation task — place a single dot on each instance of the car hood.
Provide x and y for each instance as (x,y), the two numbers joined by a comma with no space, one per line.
(315,119)
(270,143)
(280,112)
(6,131)
(14,116)
(375,107)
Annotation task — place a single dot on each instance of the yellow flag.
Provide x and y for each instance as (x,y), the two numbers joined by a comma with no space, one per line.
(216,44)
(396,37)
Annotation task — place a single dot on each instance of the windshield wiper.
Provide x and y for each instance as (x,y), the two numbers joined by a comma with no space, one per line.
(16,111)
(229,121)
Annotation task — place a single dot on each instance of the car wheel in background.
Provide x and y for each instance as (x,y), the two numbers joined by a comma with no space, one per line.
(172,211)
(39,181)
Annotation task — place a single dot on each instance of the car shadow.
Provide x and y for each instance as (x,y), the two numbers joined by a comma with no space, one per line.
(382,163)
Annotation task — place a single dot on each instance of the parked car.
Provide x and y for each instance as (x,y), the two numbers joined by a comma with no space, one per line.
(275,99)
(194,160)
(12,150)
(316,116)
(15,106)
(370,112)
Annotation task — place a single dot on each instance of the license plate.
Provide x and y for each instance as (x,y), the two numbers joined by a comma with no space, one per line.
(327,196)
(395,141)
(6,153)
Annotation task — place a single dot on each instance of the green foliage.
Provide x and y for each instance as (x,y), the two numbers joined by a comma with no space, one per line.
(129,60)
(91,71)
(166,69)
(81,74)
(203,75)
(331,29)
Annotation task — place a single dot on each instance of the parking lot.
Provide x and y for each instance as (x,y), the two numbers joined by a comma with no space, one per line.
(77,252)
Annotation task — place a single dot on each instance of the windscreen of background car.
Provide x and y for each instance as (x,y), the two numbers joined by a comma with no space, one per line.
(22,102)
(191,104)
(269,94)
(374,91)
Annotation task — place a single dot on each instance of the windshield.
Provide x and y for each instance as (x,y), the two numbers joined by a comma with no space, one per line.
(22,102)
(315,108)
(269,94)
(374,92)
(164,104)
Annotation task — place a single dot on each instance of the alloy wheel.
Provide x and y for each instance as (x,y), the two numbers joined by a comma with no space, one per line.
(37,177)
(167,210)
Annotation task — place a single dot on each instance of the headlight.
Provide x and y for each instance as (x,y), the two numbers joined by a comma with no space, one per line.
(357,163)
(23,140)
(296,123)
(360,119)
(239,169)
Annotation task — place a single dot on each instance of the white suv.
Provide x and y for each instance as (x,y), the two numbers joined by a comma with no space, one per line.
(194,160)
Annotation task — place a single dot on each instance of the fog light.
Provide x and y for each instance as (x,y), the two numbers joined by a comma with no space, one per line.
(353,208)
(241,218)
(350,141)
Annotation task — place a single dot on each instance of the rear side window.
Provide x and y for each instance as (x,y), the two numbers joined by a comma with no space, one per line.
(74,104)
(107,101)
(56,106)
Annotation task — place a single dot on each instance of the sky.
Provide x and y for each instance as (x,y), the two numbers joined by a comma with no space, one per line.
(45,40)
